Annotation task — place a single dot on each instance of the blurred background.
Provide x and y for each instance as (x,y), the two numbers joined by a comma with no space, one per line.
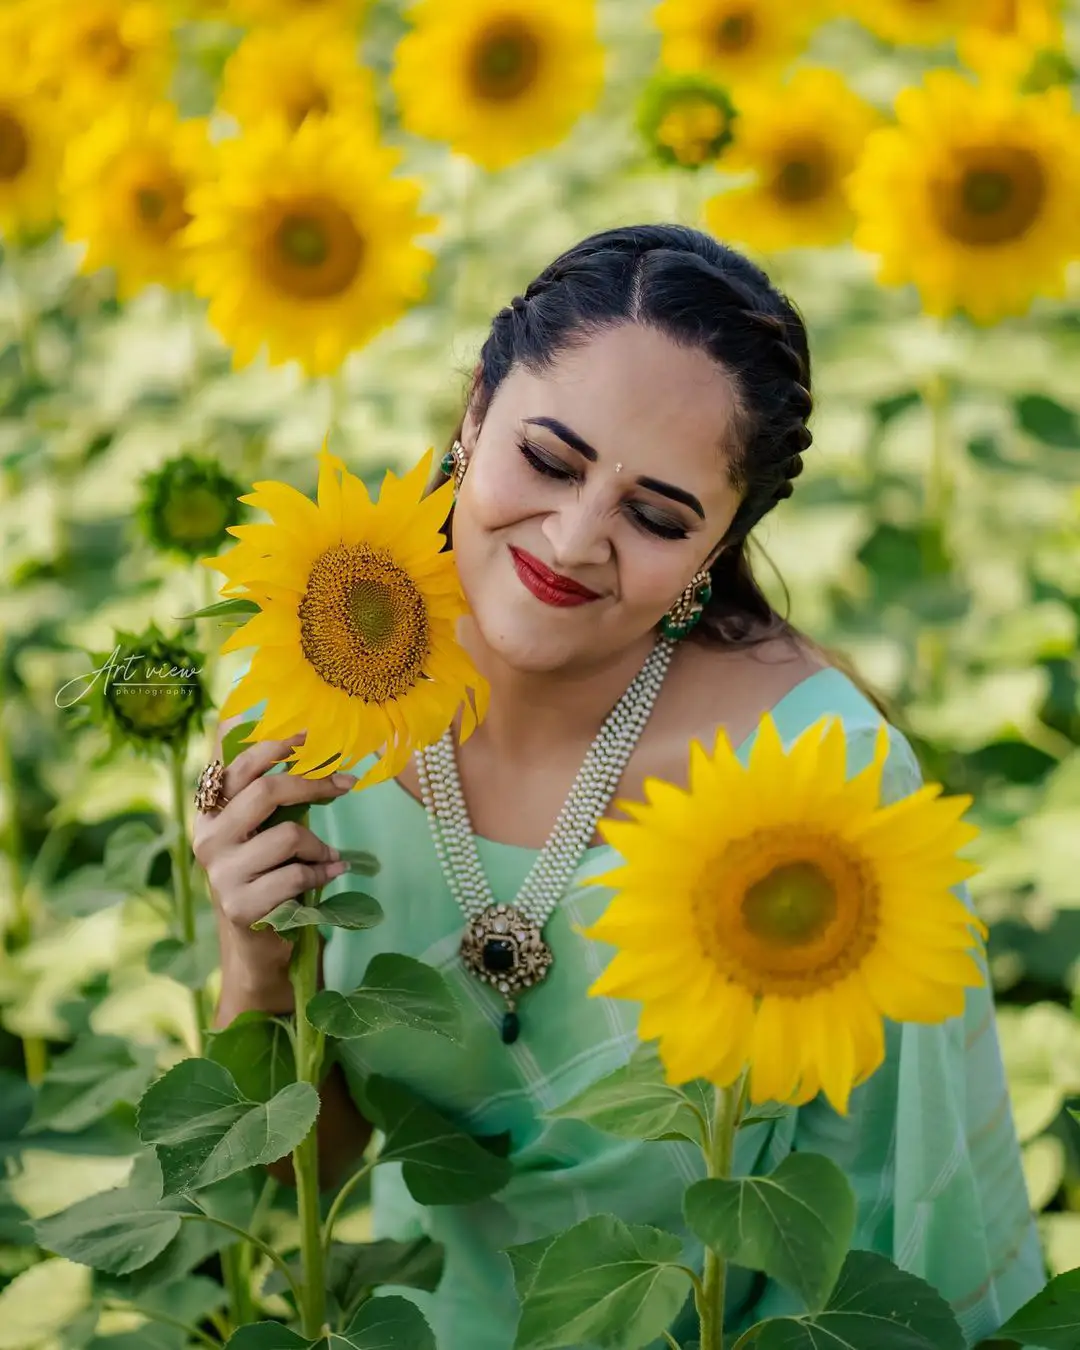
(231,227)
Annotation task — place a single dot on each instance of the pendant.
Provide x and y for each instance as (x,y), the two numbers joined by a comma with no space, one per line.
(504,948)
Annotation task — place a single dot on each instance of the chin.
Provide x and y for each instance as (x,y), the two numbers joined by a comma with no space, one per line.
(535,645)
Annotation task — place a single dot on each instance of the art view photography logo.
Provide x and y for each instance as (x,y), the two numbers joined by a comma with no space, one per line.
(137,673)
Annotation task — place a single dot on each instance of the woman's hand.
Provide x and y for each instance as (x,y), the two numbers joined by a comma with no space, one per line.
(251,871)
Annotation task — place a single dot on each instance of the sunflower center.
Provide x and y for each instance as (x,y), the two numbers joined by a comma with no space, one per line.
(692,130)
(505,60)
(788,912)
(995,197)
(194,515)
(313,249)
(106,49)
(363,623)
(14,147)
(733,33)
(804,176)
(159,206)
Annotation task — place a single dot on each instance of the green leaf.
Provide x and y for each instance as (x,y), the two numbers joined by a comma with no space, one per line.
(1052,1318)
(875,1306)
(348,909)
(87,1081)
(223,607)
(256,1050)
(119,1230)
(525,1261)
(611,1284)
(233,741)
(442,1165)
(189,964)
(130,851)
(205,1129)
(763,1114)
(353,1269)
(795,1224)
(635,1102)
(391,1323)
(361,862)
(85,892)
(397,991)
(1048,421)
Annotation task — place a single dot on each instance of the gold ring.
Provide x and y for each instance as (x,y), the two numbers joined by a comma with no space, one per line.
(208,794)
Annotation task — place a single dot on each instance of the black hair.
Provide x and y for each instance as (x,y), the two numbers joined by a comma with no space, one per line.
(703,294)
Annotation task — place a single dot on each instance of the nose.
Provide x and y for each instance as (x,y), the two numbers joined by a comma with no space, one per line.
(578,534)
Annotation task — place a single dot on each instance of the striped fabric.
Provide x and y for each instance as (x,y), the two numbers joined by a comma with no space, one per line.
(929,1144)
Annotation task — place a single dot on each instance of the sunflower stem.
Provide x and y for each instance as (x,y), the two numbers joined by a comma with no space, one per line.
(184,891)
(303,974)
(936,394)
(710,1303)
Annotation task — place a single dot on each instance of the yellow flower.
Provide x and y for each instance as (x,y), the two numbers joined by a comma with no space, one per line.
(498,79)
(972,196)
(802,140)
(307,68)
(735,41)
(96,50)
(31,151)
(772,915)
(1011,39)
(126,180)
(280,11)
(920,23)
(305,242)
(686,119)
(358,611)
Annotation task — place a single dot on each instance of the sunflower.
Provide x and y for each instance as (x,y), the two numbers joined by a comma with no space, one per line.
(498,79)
(1016,40)
(685,120)
(96,50)
(186,505)
(801,140)
(281,11)
(972,196)
(306,68)
(31,150)
(125,184)
(356,636)
(918,23)
(794,919)
(735,41)
(305,242)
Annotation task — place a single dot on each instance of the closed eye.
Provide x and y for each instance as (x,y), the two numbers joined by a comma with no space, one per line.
(537,460)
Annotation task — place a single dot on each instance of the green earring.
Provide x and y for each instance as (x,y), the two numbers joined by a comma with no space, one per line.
(685,614)
(453,464)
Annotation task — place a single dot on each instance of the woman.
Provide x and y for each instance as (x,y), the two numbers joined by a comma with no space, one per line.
(633,415)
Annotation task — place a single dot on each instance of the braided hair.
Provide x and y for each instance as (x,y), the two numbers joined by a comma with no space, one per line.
(703,294)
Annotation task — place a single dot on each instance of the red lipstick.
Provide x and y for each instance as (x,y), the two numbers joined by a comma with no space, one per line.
(550,587)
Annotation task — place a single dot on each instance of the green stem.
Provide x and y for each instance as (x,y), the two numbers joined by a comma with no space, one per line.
(718,1159)
(303,974)
(671,1340)
(939,482)
(151,1315)
(339,1203)
(236,1269)
(255,1241)
(185,895)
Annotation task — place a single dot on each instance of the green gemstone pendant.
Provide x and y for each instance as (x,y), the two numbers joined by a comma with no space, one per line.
(446,464)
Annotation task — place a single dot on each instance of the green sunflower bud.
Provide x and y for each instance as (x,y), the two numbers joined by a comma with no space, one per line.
(685,120)
(187,505)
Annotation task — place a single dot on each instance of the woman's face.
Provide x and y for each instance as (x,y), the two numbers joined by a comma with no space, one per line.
(544,494)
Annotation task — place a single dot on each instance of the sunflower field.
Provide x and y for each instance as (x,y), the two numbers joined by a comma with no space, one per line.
(230,229)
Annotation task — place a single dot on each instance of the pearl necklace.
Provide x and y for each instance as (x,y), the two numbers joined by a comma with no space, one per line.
(503,945)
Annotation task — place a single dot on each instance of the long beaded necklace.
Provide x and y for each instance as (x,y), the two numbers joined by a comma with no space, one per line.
(503,944)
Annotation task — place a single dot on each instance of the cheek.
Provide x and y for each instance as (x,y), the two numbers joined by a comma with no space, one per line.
(500,494)
(651,575)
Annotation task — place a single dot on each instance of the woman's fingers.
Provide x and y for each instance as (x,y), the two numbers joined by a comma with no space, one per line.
(259,897)
(281,844)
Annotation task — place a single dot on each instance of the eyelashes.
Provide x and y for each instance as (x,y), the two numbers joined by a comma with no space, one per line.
(540,463)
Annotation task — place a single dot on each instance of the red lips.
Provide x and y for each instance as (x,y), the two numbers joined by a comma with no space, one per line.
(550,587)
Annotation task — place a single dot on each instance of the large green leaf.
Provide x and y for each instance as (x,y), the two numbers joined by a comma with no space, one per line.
(397,991)
(205,1129)
(348,909)
(256,1050)
(84,892)
(232,743)
(635,1102)
(391,1323)
(87,1081)
(442,1165)
(119,1230)
(875,1306)
(353,1270)
(1051,1319)
(1048,421)
(130,851)
(611,1284)
(795,1224)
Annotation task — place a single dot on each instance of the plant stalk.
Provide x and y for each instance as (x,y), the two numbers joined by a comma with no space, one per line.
(303,974)
(184,892)
(728,1109)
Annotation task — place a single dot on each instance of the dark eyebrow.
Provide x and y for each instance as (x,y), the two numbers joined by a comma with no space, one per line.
(675,493)
(572,439)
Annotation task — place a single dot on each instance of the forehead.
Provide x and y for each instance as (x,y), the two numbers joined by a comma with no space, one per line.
(632,391)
